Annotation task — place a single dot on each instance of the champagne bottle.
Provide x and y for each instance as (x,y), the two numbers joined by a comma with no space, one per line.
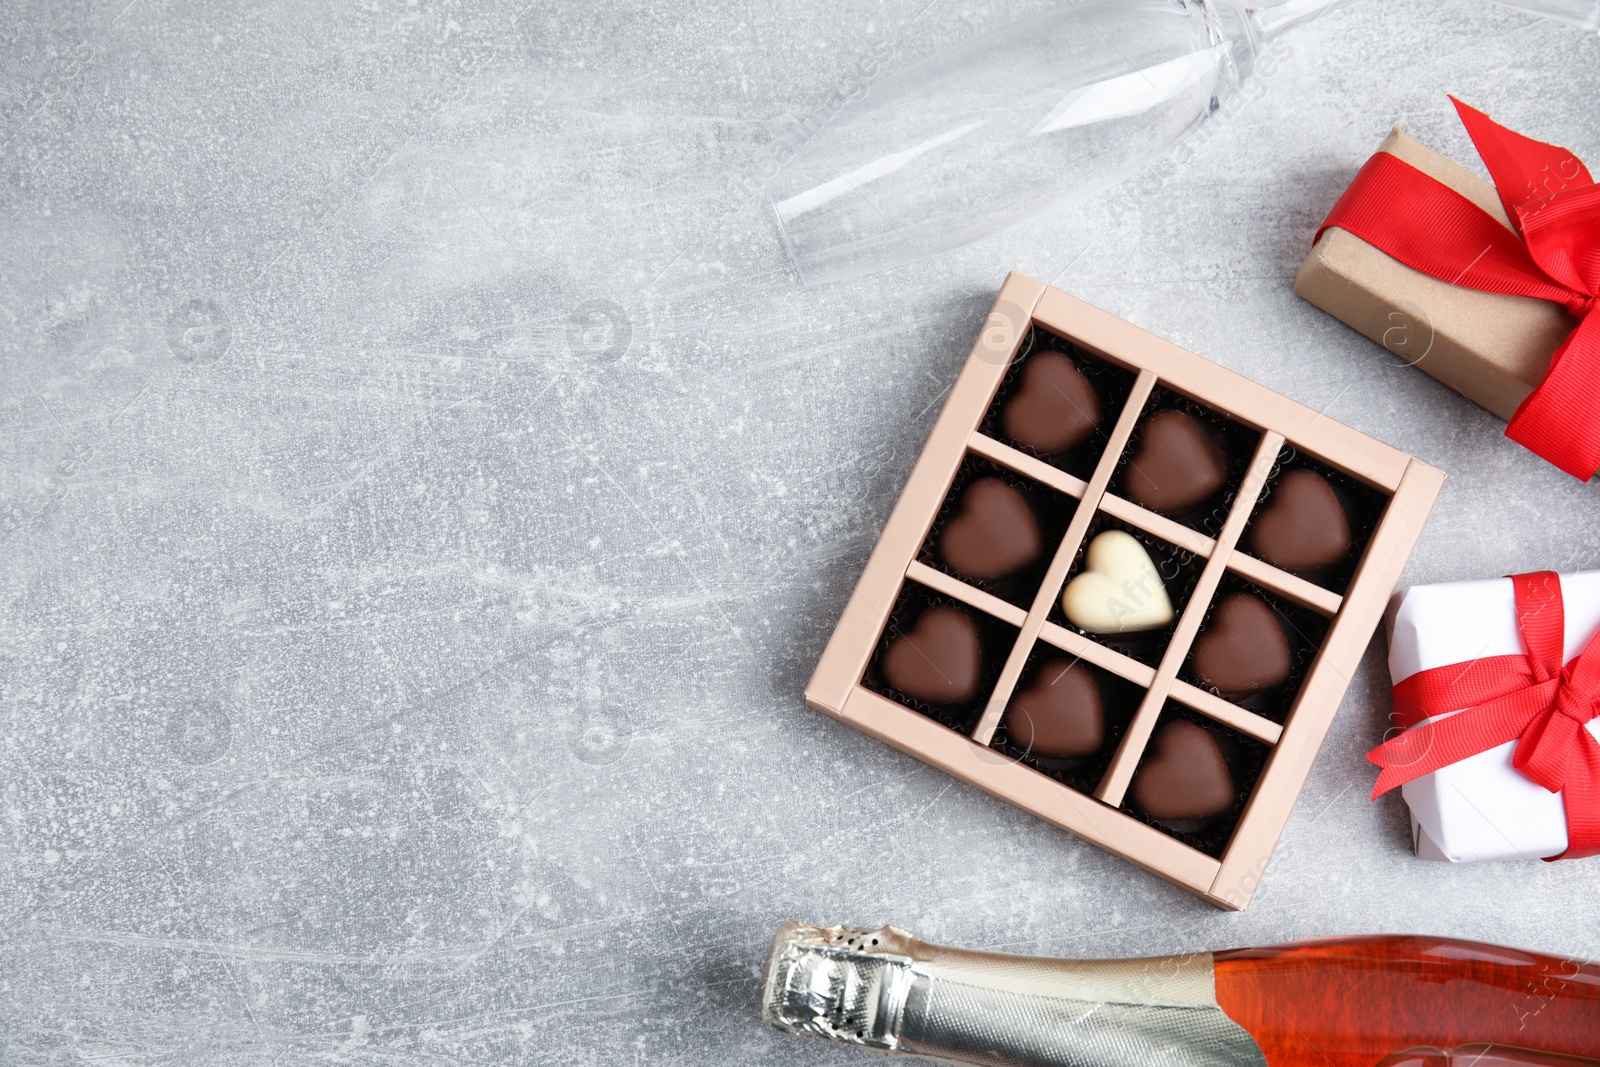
(1392,1001)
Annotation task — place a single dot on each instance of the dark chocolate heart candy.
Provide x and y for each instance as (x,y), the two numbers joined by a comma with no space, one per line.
(1302,526)
(940,660)
(1054,408)
(1178,464)
(1242,648)
(993,534)
(1183,775)
(1060,716)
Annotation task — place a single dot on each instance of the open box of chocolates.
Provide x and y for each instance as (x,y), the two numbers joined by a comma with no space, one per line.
(1125,589)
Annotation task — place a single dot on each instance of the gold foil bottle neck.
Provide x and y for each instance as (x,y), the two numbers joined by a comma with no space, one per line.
(887,991)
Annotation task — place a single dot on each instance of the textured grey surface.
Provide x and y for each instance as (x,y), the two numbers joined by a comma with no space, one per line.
(394,672)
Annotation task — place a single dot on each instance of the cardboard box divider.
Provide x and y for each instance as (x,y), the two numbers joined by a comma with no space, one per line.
(1212,706)
(1022,305)
(1116,780)
(1055,577)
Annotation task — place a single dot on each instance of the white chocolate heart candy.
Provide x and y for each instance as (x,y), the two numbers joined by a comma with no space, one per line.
(1120,592)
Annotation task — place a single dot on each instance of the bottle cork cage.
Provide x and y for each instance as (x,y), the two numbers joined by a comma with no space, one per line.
(1158,704)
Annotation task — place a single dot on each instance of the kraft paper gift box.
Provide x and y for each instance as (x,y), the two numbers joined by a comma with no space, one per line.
(1489,347)
(1482,808)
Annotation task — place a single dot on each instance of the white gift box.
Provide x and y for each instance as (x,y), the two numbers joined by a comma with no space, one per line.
(1482,808)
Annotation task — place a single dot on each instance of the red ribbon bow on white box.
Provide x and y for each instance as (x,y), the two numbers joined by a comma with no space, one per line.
(1533,699)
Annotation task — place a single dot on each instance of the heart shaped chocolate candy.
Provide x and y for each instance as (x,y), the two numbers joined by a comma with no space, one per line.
(1060,715)
(993,534)
(1302,526)
(1242,648)
(940,660)
(1054,408)
(1183,775)
(1178,464)
(1120,592)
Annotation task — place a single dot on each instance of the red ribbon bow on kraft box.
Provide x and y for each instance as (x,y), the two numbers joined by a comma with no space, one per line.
(1554,254)
(1456,711)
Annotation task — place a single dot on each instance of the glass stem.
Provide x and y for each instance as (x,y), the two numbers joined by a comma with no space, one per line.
(1271,19)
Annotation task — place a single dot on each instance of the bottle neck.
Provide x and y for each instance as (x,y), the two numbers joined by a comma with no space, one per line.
(886,990)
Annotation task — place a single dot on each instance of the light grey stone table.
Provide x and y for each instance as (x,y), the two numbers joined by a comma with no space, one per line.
(427,488)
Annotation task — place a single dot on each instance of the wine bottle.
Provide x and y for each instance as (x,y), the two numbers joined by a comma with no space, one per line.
(1398,1001)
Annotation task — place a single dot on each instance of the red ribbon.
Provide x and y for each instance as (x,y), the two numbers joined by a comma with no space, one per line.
(1554,254)
(1531,699)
